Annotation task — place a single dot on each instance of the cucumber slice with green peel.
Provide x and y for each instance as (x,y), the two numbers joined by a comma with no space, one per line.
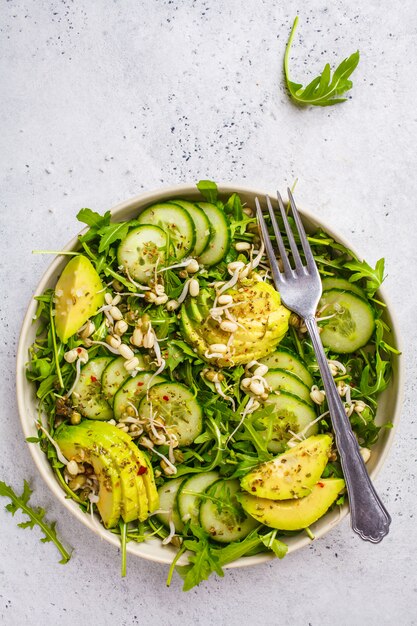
(219,242)
(332,282)
(88,395)
(201,223)
(168,503)
(289,415)
(132,392)
(141,251)
(176,223)
(352,325)
(281,380)
(286,360)
(189,495)
(115,375)
(178,408)
(221,515)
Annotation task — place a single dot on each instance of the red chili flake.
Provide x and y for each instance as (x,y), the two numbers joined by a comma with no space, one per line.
(140,384)
(142,470)
(93,379)
(79,350)
(166,398)
(321,485)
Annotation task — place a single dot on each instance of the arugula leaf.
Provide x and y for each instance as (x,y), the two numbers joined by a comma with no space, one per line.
(111,233)
(36,516)
(208,189)
(324,89)
(373,277)
(93,219)
(202,563)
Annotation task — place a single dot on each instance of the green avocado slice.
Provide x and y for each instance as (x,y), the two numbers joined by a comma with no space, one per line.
(291,474)
(294,514)
(262,319)
(134,500)
(75,442)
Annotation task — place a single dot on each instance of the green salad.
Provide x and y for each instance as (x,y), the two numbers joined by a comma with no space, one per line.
(180,400)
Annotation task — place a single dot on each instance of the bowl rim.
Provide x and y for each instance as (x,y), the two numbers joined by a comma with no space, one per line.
(29,429)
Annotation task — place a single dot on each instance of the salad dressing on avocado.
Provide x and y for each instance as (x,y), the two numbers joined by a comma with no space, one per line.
(184,397)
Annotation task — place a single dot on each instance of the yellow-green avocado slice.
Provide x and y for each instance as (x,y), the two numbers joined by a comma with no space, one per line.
(291,474)
(75,442)
(263,323)
(78,295)
(134,500)
(147,476)
(294,514)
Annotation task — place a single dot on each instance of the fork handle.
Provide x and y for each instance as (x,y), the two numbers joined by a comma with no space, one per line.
(369,517)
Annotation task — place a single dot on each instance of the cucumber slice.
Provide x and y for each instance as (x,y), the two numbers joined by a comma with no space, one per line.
(286,360)
(87,396)
(219,241)
(177,406)
(221,515)
(281,380)
(142,249)
(168,503)
(177,224)
(353,324)
(201,223)
(332,282)
(132,391)
(114,376)
(289,414)
(188,498)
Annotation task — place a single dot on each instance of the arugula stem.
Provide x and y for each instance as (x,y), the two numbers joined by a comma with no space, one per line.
(54,343)
(123,545)
(288,48)
(173,564)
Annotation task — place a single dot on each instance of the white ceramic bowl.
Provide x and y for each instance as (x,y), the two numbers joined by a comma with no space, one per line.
(388,406)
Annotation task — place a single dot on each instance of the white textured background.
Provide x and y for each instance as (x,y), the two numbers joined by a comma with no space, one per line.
(100,100)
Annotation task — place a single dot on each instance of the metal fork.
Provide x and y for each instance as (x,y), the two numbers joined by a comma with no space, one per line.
(300,288)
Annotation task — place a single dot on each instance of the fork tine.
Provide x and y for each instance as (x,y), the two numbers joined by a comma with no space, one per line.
(268,244)
(277,233)
(311,264)
(295,253)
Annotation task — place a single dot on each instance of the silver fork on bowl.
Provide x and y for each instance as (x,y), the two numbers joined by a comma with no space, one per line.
(300,288)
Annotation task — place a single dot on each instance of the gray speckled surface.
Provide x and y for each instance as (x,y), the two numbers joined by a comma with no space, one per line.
(101,100)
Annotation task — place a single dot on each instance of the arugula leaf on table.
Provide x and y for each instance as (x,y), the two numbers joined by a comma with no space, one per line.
(36,516)
(325,89)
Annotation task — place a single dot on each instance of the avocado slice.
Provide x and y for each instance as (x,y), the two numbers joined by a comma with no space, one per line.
(78,295)
(263,323)
(144,469)
(294,514)
(77,442)
(134,500)
(291,474)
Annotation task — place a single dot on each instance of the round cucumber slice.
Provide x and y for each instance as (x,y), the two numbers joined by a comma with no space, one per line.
(201,223)
(221,515)
(289,413)
(219,241)
(341,283)
(286,360)
(178,408)
(352,325)
(189,495)
(88,396)
(177,224)
(132,391)
(168,503)
(140,252)
(281,380)
(115,375)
